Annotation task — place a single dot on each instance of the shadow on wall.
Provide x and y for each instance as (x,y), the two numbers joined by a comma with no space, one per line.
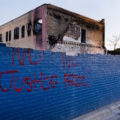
(114,52)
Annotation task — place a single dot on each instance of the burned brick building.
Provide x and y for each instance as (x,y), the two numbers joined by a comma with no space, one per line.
(49,27)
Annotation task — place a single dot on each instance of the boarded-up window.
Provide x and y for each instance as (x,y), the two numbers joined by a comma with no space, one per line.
(23,31)
(9,35)
(16,33)
(83,36)
(6,36)
(0,37)
(29,29)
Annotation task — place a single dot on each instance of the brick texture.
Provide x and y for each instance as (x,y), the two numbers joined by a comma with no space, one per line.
(53,86)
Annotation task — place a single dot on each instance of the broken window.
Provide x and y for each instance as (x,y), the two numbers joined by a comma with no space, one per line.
(73,31)
(52,40)
(38,27)
(66,19)
(23,31)
(83,36)
(57,16)
(0,37)
(9,35)
(29,29)
(6,36)
(16,33)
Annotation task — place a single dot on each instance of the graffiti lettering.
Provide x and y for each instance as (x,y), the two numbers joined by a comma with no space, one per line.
(31,62)
(69,63)
(75,80)
(7,72)
(21,58)
(46,82)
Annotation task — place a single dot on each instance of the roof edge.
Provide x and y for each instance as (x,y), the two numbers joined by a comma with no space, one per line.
(74,14)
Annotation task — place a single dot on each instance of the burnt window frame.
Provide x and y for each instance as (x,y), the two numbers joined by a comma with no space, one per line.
(16,33)
(1,38)
(83,35)
(23,31)
(38,32)
(10,35)
(29,29)
(6,36)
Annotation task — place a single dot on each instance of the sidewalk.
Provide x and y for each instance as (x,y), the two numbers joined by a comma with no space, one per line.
(109,112)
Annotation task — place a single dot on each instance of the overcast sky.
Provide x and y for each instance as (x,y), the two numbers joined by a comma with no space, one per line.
(96,9)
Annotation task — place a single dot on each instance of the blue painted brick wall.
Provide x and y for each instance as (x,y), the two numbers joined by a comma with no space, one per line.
(52,86)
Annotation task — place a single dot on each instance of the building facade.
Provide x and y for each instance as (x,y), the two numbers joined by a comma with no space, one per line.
(49,27)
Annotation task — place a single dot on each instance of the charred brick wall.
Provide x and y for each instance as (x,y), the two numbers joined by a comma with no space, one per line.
(61,31)
(64,33)
(34,41)
(43,85)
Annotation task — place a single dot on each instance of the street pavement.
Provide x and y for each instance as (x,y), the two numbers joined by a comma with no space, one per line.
(109,112)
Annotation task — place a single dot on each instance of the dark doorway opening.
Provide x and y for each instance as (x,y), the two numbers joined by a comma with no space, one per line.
(83,36)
